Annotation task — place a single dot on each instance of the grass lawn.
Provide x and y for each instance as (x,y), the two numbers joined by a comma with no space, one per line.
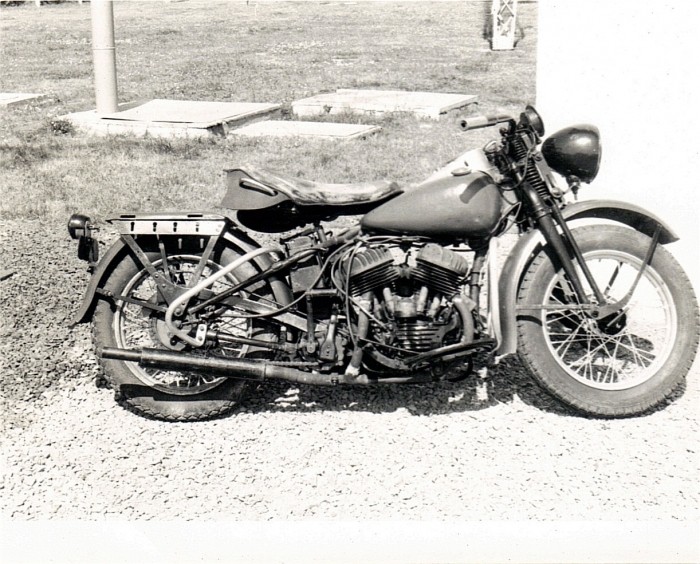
(229,51)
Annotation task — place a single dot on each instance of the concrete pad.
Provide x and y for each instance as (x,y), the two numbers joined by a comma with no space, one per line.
(196,114)
(171,118)
(323,130)
(9,99)
(423,104)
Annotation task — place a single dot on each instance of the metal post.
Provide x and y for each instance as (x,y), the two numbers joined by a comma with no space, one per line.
(104,56)
(503,13)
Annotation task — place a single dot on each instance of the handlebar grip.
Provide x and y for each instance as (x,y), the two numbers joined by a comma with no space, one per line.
(477,122)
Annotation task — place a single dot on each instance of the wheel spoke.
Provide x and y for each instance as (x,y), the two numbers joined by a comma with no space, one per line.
(137,329)
(568,336)
(588,356)
(566,343)
(610,365)
(561,316)
(638,354)
(621,352)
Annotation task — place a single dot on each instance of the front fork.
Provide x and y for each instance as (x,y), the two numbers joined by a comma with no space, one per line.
(567,250)
(545,217)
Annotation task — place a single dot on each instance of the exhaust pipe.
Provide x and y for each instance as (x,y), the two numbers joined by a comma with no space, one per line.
(246,369)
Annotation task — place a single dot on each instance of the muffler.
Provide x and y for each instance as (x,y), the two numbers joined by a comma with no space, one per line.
(245,369)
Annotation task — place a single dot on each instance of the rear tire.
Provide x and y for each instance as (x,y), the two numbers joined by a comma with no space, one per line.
(609,369)
(171,395)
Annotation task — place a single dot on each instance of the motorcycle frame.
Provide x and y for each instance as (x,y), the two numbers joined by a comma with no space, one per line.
(502,295)
(237,238)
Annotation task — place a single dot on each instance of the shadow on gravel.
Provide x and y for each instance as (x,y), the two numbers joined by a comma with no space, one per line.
(482,390)
(500,385)
(479,391)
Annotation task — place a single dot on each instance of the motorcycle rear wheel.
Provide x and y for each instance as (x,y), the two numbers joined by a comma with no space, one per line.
(610,369)
(171,395)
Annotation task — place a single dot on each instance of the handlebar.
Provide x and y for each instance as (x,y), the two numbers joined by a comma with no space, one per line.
(477,122)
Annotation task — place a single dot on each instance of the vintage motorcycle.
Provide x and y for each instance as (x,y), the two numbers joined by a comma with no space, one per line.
(190,311)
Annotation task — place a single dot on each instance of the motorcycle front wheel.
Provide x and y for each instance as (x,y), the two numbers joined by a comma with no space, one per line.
(173,395)
(623,365)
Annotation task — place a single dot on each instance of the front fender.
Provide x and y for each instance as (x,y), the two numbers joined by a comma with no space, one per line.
(631,215)
(527,246)
(114,255)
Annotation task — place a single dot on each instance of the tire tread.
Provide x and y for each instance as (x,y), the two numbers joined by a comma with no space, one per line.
(641,407)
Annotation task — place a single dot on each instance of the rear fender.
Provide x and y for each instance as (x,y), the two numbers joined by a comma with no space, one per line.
(238,239)
(106,265)
(528,245)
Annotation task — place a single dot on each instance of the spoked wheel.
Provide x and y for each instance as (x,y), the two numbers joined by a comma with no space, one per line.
(170,394)
(631,360)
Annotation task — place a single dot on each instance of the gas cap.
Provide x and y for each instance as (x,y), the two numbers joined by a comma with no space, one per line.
(461,171)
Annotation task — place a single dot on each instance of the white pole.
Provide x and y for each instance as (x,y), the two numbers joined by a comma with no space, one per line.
(104,56)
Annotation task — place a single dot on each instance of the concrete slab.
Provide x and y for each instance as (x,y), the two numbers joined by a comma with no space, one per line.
(172,118)
(322,130)
(9,99)
(196,114)
(422,104)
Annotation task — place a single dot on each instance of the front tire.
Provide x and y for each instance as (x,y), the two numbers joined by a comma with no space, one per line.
(617,367)
(171,395)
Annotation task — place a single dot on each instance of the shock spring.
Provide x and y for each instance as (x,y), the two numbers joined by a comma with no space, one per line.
(532,175)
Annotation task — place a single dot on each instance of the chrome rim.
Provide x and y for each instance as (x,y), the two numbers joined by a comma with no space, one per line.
(136,327)
(604,358)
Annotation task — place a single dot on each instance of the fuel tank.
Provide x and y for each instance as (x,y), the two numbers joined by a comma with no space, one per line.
(460,205)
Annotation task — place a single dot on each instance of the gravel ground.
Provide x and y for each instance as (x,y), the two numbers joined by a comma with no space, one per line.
(490,448)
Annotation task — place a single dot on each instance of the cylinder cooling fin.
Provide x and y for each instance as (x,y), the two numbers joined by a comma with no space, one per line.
(371,269)
(440,268)
(418,335)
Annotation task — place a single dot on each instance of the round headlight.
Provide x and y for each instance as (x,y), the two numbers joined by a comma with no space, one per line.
(574,151)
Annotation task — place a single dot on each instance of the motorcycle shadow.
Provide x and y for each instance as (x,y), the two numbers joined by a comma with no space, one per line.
(484,388)
(507,383)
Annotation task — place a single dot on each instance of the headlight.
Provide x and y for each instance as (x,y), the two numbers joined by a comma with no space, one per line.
(574,151)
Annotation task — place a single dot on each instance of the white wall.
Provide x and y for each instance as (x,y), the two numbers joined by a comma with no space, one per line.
(631,68)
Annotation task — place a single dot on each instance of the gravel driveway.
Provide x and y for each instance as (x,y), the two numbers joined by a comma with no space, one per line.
(490,448)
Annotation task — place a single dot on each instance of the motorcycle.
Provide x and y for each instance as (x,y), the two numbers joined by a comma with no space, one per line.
(190,312)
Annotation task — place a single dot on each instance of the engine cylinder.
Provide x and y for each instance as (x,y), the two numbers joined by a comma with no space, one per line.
(440,269)
(371,269)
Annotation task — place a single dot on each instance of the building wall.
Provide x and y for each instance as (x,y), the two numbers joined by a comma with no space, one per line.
(630,67)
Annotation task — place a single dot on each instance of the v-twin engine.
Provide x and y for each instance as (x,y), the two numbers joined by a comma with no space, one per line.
(410,297)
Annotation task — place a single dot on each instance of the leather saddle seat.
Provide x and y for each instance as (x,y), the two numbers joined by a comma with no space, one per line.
(309,193)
